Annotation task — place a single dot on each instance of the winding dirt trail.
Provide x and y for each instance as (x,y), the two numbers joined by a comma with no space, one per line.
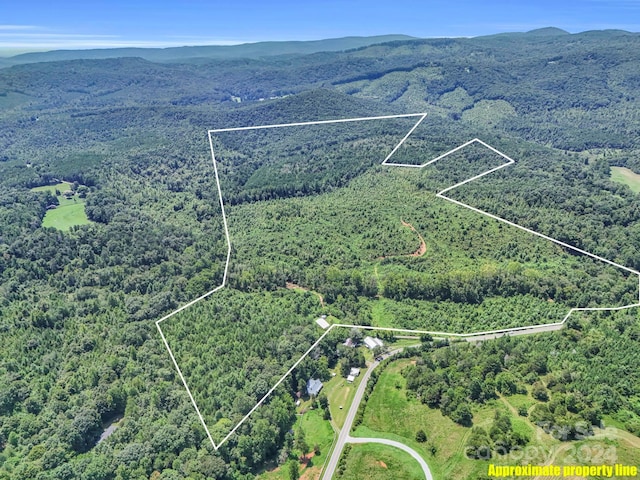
(423,245)
(294,286)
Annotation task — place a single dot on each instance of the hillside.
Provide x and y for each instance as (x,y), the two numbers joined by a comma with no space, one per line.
(199,53)
(310,208)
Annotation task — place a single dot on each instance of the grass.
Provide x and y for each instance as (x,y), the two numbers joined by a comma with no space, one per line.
(61,187)
(380,315)
(65,217)
(68,213)
(341,393)
(374,461)
(390,414)
(317,432)
(627,177)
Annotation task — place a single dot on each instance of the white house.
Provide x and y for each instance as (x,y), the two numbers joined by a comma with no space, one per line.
(372,342)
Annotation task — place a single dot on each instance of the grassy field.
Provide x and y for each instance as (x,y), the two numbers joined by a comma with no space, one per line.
(340,394)
(317,432)
(626,176)
(69,212)
(390,414)
(380,462)
(65,217)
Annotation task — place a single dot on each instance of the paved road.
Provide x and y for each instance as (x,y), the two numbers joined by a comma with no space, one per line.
(346,428)
(344,437)
(529,330)
(401,446)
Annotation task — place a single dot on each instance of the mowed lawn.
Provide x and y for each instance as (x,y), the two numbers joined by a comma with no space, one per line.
(65,217)
(374,461)
(389,414)
(68,213)
(626,176)
(340,393)
(61,187)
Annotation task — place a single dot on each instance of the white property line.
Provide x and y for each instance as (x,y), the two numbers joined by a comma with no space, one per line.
(226,266)
(469,336)
(510,161)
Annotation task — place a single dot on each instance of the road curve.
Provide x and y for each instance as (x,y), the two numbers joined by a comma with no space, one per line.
(346,428)
(401,446)
(344,437)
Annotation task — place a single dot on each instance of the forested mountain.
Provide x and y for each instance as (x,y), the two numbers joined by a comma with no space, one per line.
(200,53)
(79,346)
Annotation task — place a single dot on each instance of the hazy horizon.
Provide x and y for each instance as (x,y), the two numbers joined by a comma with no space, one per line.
(40,26)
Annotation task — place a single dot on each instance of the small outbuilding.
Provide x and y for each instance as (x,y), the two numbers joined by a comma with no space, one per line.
(349,343)
(372,342)
(322,321)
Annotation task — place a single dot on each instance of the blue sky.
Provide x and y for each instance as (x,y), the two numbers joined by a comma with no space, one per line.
(54,24)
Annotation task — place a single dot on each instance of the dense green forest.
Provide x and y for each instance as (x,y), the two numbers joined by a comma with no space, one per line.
(312,207)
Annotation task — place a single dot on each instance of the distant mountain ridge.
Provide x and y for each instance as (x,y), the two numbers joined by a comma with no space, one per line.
(245,50)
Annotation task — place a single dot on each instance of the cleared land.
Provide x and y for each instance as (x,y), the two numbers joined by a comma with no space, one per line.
(626,176)
(317,432)
(66,216)
(340,394)
(380,462)
(392,414)
(68,213)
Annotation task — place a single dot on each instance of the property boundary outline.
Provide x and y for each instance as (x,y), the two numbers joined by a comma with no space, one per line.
(529,329)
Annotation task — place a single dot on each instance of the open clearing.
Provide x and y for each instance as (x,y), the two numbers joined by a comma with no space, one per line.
(66,216)
(391,414)
(380,462)
(317,432)
(70,211)
(626,176)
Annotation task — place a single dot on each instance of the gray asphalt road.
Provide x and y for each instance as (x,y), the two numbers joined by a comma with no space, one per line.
(351,415)
(523,331)
(401,446)
(344,437)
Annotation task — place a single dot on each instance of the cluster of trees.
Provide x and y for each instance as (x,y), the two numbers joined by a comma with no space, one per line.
(500,439)
(572,392)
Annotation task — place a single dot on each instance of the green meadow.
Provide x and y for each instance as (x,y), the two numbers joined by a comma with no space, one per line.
(68,213)
(627,177)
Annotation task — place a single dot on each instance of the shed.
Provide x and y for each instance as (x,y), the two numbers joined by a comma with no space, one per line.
(372,342)
(322,321)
